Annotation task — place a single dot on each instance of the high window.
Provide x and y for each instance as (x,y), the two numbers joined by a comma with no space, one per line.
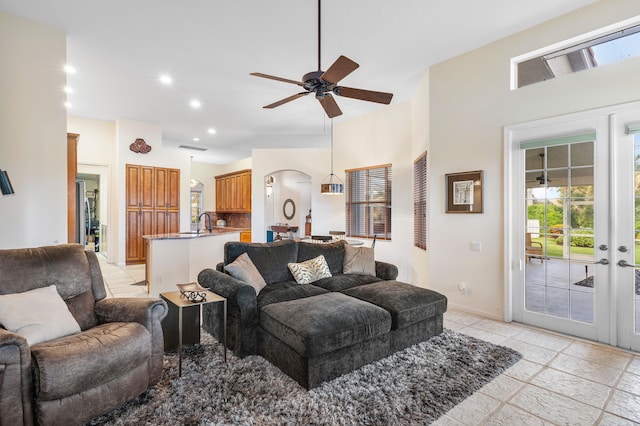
(420,202)
(368,202)
(599,48)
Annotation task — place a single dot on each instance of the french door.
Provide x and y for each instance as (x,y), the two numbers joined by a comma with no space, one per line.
(573,222)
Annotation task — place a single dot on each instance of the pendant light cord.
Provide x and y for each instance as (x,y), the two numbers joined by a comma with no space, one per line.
(332,149)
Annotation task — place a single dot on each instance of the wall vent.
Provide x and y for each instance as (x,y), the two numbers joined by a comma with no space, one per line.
(194,148)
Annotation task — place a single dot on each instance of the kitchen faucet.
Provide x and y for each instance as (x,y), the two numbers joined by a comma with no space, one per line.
(205,222)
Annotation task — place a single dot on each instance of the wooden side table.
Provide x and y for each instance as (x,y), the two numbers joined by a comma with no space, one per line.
(176,300)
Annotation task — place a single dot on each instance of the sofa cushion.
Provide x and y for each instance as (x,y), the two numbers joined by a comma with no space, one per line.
(310,270)
(332,252)
(324,323)
(270,259)
(406,303)
(244,270)
(287,290)
(345,281)
(76,363)
(359,260)
(37,315)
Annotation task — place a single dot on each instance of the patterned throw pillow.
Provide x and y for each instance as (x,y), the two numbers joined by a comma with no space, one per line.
(310,270)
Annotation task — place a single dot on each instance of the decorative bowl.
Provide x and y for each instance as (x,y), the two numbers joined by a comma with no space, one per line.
(194,292)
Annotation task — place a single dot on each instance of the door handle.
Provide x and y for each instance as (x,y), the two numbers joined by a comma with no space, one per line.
(601,262)
(624,263)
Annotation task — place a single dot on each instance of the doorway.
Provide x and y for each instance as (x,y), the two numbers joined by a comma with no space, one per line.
(96,178)
(287,200)
(573,222)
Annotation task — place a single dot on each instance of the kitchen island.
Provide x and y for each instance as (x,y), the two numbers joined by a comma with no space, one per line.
(178,258)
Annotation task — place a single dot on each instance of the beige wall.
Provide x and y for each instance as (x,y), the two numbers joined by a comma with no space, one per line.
(33,142)
(419,144)
(382,137)
(470,103)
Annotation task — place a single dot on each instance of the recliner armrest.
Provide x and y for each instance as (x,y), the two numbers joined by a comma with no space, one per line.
(15,379)
(130,309)
(386,271)
(149,313)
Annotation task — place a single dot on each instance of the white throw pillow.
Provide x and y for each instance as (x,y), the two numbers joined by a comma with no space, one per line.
(244,270)
(310,270)
(359,260)
(38,315)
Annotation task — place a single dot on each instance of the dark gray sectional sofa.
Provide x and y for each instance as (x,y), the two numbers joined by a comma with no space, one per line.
(316,332)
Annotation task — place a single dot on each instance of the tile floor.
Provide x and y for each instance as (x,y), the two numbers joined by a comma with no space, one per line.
(560,380)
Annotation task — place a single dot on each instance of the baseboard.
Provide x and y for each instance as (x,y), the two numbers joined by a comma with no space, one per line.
(479,312)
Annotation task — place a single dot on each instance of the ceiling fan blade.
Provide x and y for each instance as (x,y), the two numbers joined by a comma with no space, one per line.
(364,95)
(285,100)
(341,68)
(330,106)
(273,77)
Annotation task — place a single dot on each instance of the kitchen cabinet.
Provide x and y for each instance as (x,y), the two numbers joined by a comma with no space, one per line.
(153,206)
(233,192)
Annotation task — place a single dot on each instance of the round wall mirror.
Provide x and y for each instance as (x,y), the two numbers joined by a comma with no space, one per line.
(289,209)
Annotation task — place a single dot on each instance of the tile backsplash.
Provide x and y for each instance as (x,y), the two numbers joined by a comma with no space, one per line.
(234,220)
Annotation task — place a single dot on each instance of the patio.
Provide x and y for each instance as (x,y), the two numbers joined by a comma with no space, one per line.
(563,295)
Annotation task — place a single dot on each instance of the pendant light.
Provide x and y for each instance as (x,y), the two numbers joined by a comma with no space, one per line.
(332,185)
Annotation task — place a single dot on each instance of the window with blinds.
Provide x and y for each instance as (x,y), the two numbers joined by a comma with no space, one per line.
(420,202)
(368,202)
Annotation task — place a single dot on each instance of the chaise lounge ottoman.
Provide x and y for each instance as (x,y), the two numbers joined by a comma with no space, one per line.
(315,331)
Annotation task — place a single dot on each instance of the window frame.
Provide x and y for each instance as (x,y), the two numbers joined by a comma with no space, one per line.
(353,202)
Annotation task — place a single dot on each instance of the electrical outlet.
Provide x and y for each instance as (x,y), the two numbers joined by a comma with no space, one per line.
(462,287)
(476,246)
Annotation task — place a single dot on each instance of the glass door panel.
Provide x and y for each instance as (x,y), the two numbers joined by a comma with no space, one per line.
(559,270)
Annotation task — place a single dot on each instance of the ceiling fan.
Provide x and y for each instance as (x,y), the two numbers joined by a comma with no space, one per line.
(324,84)
(542,179)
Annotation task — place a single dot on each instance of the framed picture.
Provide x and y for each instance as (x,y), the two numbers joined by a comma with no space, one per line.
(464,192)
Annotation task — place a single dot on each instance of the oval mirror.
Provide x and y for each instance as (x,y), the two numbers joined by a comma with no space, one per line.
(289,209)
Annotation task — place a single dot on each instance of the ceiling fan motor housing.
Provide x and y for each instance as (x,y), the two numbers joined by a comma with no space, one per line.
(313,83)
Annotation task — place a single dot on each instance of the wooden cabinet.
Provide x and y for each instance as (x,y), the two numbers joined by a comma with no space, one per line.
(153,206)
(245,236)
(233,192)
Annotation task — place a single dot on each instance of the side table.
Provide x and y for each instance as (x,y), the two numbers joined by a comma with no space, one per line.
(176,300)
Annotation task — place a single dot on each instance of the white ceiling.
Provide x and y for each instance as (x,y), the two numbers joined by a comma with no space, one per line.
(209,47)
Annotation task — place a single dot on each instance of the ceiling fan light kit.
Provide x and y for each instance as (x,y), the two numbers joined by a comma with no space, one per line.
(324,84)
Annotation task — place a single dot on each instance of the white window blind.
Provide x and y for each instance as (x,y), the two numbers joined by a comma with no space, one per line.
(368,202)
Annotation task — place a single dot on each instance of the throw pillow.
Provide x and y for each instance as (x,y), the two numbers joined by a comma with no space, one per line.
(38,315)
(310,270)
(359,260)
(244,270)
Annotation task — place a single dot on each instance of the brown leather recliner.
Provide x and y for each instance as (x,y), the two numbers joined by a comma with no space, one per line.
(116,356)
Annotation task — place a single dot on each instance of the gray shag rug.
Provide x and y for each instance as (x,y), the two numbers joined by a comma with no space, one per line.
(414,386)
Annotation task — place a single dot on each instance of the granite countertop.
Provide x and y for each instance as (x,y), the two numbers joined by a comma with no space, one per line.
(217,230)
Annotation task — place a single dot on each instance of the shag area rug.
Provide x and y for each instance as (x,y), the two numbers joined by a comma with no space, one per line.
(414,386)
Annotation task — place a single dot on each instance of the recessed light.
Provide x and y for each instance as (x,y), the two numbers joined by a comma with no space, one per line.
(67,104)
(69,69)
(68,89)
(211,131)
(165,79)
(196,139)
(195,104)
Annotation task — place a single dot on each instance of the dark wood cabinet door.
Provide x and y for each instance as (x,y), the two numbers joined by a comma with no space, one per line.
(173,189)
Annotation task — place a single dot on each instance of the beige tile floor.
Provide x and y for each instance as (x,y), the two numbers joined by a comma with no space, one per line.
(560,380)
